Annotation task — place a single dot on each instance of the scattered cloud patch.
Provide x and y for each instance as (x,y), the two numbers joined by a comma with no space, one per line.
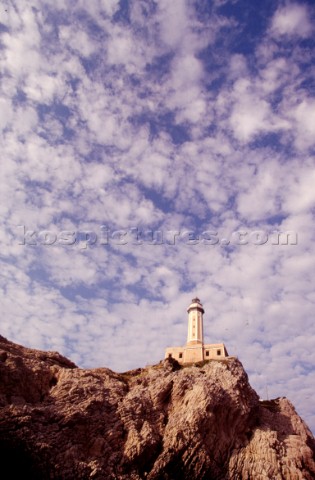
(292,20)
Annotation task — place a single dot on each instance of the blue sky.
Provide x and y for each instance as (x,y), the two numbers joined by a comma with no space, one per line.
(179,116)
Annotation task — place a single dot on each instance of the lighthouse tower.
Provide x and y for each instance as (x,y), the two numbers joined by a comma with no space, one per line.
(195,350)
(195,322)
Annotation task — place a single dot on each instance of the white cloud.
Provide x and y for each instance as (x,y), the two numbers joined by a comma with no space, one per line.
(173,22)
(303,116)
(22,49)
(238,66)
(252,113)
(264,188)
(278,72)
(78,40)
(25,120)
(6,112)
(249,117)
(187,70)
(292,19)
(301,196)
(185,93)
(109,6)
(120,47)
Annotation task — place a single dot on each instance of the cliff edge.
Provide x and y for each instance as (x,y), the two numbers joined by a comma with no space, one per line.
(198,422)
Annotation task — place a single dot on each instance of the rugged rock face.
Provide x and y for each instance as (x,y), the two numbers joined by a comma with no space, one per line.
(200,422)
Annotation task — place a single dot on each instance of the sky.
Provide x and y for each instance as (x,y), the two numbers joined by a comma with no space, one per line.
(154,151)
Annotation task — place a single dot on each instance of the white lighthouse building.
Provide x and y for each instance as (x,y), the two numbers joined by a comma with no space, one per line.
(195,350)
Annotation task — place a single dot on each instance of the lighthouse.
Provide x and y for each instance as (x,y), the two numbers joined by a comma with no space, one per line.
(195,322)
(195,349)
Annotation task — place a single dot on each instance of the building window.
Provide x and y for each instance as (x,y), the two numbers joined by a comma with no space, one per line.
(218,352)
(207,353)
(180,355)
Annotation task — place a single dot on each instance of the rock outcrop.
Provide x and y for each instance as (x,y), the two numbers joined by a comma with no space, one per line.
(202,422)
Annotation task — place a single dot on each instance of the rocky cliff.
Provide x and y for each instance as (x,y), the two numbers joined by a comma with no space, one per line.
(162,422)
